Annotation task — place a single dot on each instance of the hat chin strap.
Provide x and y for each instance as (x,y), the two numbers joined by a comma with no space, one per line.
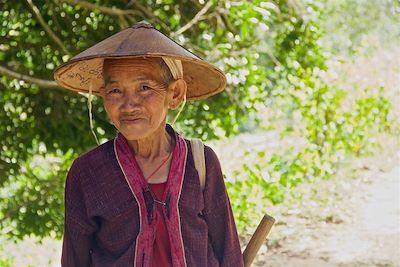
(89,104)
(175,66)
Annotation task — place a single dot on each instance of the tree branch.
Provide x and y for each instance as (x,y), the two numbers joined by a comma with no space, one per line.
(106,10)
(226,22)
(123,23)
(150,14)
(29,79)
(195,19)
(46,27)
(4,168)
(120,13)
(234,99)
(113,11)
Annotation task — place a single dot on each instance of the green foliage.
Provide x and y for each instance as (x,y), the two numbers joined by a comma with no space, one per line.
(332,134)
(6,262)
(251,189)
(32,197)
(333,126)
(233,50)
(359,19)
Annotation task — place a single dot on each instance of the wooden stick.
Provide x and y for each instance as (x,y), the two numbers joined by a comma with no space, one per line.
(257,239)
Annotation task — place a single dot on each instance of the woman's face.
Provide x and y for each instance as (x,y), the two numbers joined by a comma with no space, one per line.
(136,96)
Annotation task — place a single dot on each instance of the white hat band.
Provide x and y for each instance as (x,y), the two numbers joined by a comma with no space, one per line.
(175,66)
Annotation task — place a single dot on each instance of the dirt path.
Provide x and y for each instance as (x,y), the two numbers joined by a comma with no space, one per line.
(369,236)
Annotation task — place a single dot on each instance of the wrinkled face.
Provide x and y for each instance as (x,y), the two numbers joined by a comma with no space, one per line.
(136,96)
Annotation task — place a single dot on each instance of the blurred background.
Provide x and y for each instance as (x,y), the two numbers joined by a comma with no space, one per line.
(307,129)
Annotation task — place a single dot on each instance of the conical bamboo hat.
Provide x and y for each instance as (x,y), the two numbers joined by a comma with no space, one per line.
(84,72)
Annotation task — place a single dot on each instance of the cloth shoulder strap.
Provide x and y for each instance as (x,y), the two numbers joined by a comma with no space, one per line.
(199,160)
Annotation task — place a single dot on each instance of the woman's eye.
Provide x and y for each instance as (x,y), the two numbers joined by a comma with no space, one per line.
(145,87)
(114,91)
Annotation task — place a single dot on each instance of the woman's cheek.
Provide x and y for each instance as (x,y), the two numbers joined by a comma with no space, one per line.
(154,98)
(111,109)
(111,100)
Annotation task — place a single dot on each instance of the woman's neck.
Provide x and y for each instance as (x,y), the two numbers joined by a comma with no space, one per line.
(158,144)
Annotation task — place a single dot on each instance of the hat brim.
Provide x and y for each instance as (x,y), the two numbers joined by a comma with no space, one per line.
(84,72)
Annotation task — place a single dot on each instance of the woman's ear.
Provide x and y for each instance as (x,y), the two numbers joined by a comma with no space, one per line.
(177,93)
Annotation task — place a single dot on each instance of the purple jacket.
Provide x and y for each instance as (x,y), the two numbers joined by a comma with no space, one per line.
(108,214)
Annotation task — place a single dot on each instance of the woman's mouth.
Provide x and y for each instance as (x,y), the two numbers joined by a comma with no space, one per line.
(131,120)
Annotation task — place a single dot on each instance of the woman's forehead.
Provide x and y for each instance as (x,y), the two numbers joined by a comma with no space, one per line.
(140,68)
(136,63)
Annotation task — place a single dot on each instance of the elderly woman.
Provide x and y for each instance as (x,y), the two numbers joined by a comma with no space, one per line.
(138,200)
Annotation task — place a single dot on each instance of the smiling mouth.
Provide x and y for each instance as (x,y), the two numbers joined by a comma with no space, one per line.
(131,120)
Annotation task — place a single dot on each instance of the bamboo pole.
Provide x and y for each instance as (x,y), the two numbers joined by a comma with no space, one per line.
(257,239)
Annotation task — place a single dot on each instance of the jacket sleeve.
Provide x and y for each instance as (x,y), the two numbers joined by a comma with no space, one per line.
(218,214)
(78,228)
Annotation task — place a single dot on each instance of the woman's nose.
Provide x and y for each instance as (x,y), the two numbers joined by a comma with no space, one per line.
(131,101)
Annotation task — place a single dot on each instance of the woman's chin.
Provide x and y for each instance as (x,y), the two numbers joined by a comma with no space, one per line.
(136,132)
